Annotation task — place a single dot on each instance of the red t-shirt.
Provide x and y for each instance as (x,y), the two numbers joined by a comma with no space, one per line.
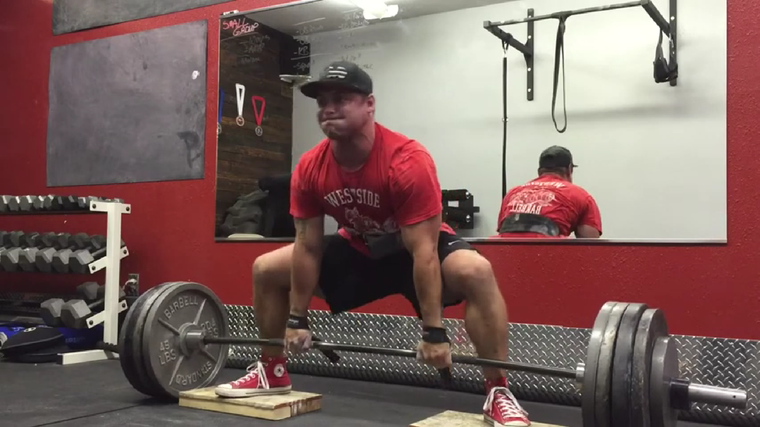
(397,186)
(565,203)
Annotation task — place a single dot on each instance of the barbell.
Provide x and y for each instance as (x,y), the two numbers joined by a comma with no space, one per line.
(176,338)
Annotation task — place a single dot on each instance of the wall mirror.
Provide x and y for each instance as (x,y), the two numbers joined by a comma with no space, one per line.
(651,154)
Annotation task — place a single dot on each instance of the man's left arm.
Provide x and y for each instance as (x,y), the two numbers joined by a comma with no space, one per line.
(590,221)
(417,204)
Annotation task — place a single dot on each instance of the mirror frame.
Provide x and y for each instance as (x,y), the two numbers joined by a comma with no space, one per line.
(526,241)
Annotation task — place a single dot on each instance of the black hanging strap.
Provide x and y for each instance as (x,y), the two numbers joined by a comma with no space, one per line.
(658,50)
(560,50)
(505,45)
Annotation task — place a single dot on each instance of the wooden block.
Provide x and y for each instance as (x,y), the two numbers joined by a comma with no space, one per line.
(273,407)
(461,419)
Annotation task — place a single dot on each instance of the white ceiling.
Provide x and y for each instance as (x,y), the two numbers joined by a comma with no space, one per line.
(328,15)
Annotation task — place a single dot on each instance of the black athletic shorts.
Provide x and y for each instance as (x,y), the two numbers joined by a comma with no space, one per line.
(349,279)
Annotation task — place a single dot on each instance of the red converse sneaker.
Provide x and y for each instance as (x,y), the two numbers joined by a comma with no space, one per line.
(268,376)
(501,408)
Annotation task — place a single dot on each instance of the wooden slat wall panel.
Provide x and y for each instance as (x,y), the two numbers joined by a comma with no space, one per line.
(253,55)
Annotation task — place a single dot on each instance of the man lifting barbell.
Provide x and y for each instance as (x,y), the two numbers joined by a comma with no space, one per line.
(382,188)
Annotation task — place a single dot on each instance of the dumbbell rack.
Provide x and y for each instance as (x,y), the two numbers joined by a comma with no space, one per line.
(109,317)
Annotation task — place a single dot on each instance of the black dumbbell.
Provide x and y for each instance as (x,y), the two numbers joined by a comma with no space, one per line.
(50,311)
(11,240)
(62,257)
(14,238)
(9,204)
(82,258)
(5,240)
(75,312)
(84,202)
(50,203)
(24,203)
(9,258)
(44,257)
(29,203)
(70,203)
(27,256)
(54,203)
(59,201)
(38,203)
(90,291)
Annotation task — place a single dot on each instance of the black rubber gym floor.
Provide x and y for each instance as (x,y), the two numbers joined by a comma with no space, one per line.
(97,394)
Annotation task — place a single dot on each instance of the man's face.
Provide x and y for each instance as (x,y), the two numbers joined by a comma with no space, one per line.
(343,113)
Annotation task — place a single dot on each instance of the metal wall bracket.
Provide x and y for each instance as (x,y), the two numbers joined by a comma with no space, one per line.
(529,58)
(526,49)
(673,34)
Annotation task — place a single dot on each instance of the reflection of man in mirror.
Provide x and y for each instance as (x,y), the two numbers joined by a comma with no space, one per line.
(383,190)
(550,205)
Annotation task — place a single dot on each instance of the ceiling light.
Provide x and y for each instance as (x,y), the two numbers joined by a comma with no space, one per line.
(376,9)
(390,12)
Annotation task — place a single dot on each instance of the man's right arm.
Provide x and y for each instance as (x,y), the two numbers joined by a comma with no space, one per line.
(307,257)
(308,214)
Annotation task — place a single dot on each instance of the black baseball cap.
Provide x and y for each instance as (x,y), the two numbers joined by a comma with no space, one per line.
(342,74)
(556,157)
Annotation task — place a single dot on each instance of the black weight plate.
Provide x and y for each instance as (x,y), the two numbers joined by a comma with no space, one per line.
(172,366)
(622,365)
(664,369)
(591,363)
(130,353)
(604,367)
(139,342)
(125,340)
(651,327)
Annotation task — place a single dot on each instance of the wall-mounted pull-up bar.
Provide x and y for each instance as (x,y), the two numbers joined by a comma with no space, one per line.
(663,71)
(668,27)
(646,4)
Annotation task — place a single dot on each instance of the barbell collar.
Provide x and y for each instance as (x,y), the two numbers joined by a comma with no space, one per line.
(192,339)
(580,371)
(679,394)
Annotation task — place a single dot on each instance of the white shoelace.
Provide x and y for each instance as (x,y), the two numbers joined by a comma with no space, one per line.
(507,404)
(253,370)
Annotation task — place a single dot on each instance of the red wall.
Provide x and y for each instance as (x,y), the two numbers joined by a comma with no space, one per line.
(712,291)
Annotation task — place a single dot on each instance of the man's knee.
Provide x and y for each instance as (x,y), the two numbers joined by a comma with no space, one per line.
(260,268)
(272,268)
(468,271)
